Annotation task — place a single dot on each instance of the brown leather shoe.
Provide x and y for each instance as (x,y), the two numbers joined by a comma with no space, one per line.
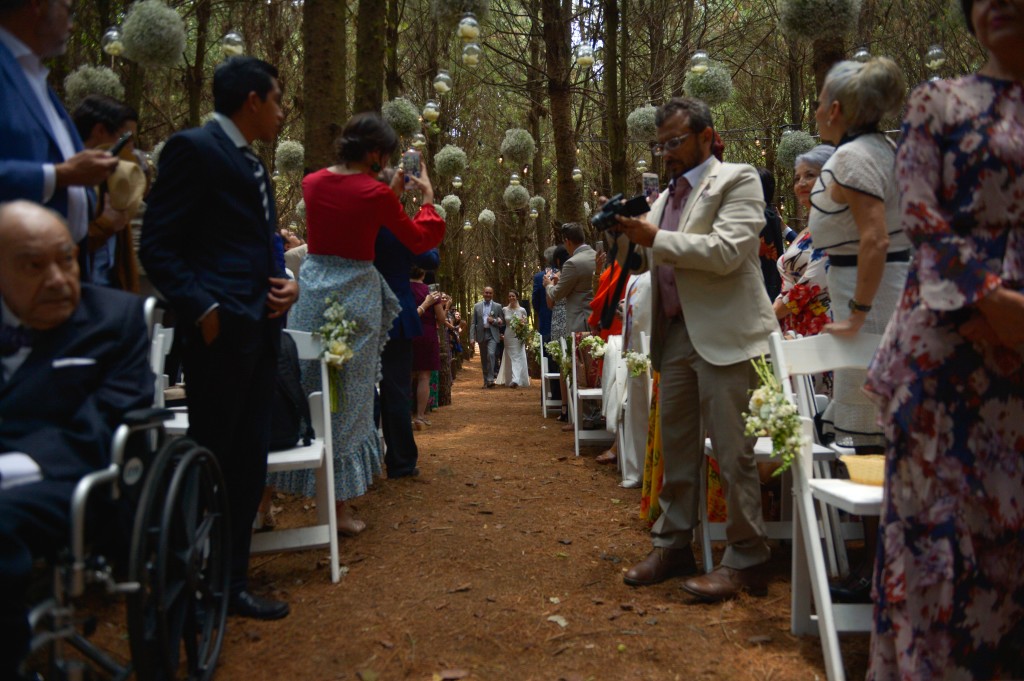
(661,564)
(724,582)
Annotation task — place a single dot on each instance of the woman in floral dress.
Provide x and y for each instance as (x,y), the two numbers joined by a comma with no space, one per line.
(949,376)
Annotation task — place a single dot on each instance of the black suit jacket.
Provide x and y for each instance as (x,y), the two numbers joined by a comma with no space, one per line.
(62,405)
(205,238)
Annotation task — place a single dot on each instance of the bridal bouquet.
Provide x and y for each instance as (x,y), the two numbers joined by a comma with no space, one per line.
(335,334)
(594,344)
(772,415)
(637,363)
(521,328)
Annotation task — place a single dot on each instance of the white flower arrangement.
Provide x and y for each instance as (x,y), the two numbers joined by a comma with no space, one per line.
(521,328)
(518,147)
(450,161)
(713,86)
(792,144)
(516,197)
(595,345)
(537,203)
(452,204)
(335,335)
(818,19)
(450,11)
(440,210)
(554,349)
(486,218)
(401,115)
(533,347)
(640,124)
(637,363)
(153,34)
(290,156)
(772,415)
(91,80)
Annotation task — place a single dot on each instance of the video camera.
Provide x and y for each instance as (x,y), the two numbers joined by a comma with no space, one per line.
(605,219)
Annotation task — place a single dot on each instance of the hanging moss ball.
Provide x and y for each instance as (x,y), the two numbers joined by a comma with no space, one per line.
(452,204)
(713,86)
(91,80)
(450,161)
(792,144)
(516,197)
(290,157)
(537,203)
(640,123)
(486,218)
(402,115)
(817,19)
(518,147)
(440,210)
(154,34)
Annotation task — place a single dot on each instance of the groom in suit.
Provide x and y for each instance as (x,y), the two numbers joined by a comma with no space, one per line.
(41,156)
(73,360)
(710,317)
(485,329)
(208,247)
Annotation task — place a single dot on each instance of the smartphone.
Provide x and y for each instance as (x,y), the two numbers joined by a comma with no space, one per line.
(411,163)
(119,144)
(432,288)
(650,185)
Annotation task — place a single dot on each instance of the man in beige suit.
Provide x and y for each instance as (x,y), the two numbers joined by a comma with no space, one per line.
(709,318)
(575,282)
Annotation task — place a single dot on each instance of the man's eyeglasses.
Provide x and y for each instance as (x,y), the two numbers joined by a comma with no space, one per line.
(662,148)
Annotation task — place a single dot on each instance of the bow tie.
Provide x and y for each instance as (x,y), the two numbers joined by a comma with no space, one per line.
(14,338)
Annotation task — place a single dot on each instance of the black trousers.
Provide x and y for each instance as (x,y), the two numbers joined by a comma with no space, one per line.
(228,387)
(396,407)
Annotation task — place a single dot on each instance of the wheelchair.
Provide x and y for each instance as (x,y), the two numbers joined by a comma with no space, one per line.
(175,572)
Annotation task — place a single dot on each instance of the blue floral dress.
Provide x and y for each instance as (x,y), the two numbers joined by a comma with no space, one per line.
(948,581)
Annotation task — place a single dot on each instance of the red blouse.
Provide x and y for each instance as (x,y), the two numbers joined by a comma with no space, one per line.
(345,212)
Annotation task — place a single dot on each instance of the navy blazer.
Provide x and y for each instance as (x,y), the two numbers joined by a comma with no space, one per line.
(394,262)
(26,140)
(62,405)
(540,305)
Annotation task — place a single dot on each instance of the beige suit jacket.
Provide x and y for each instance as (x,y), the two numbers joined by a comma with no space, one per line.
(717,272)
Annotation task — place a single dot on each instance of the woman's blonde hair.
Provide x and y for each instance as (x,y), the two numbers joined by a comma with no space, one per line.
(866,92)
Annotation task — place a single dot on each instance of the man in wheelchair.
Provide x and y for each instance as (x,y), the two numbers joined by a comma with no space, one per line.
(73,361)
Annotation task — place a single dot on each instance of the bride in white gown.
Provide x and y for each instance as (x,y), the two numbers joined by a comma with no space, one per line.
(514,371)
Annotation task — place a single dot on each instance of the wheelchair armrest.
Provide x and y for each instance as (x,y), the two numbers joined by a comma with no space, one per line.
(147,417)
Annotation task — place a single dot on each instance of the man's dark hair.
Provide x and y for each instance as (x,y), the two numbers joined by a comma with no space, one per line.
(572,231)
(967,6)
(696,111)
(236,77)
(767,185)
(365,132)
(9,6)
(107,111)
(561,255)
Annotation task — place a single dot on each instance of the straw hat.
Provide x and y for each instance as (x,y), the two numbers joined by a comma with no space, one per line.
(126,186)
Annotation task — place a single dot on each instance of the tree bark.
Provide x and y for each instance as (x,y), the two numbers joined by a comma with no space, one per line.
(615,118)
(556,16)
(194,76)
(324,72)
(391,77)
(826,53)
(370,49)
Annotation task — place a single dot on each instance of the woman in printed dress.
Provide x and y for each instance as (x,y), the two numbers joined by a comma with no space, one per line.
(949,376)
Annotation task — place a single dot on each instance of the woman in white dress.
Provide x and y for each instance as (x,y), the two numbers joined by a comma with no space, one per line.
(514,370)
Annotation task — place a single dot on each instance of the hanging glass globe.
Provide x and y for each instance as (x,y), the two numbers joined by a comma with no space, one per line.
(419,140)
(469,28)
(641,166)
(585,56)
(456,181)
(467,225)
(112,42)
(935,57)
(534,213)
(443,82)
(471,54)
(514,180)
(431,111)
(699,62)
(577,174)
(861,54)
(232,45)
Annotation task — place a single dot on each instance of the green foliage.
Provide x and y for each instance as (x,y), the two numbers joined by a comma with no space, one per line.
(154,35)
(91,80)
(402,115)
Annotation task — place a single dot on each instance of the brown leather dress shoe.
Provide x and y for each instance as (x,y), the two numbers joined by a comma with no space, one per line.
(724,583)
(661,564)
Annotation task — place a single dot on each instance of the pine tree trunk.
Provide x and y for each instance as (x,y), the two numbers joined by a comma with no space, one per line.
(370,50)
(324,75)
(556,15)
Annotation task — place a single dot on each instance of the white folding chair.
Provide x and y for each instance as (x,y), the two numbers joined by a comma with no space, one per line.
(547,379)
(793,360)
(577,395)
(161,340)
(319,456)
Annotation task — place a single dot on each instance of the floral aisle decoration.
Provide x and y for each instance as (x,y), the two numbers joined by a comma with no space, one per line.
(486,218)
(640,124)
(154,34)
(518,147)
(452,204)
(818,19)
(516,197)
(450,161)
(792,144)
(289,157)
(637,363)
(401,115)
(521,328)
(594,345)
(91,80)
(533,347)
(335,334)
(713,86)
(772,415)
(554,349)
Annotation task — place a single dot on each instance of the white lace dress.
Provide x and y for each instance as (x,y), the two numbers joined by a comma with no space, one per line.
(514,368)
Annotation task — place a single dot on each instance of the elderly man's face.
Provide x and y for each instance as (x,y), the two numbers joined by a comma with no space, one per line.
(488,294)
(38,267)
(55,21)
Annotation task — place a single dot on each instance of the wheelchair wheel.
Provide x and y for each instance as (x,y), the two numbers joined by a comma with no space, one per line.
(180,559)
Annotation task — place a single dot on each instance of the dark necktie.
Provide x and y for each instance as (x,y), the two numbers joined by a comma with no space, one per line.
(261,178)
(14,338)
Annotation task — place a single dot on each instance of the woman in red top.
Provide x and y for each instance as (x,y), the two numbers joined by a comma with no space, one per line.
(346,205)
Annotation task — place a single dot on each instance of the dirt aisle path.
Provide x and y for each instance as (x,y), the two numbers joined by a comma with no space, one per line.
(463,569)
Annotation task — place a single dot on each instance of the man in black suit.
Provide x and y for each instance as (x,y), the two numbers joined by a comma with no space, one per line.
(208,247)
(73,360)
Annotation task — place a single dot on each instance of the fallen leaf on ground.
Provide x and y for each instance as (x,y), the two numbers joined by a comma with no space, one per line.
(559,620)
